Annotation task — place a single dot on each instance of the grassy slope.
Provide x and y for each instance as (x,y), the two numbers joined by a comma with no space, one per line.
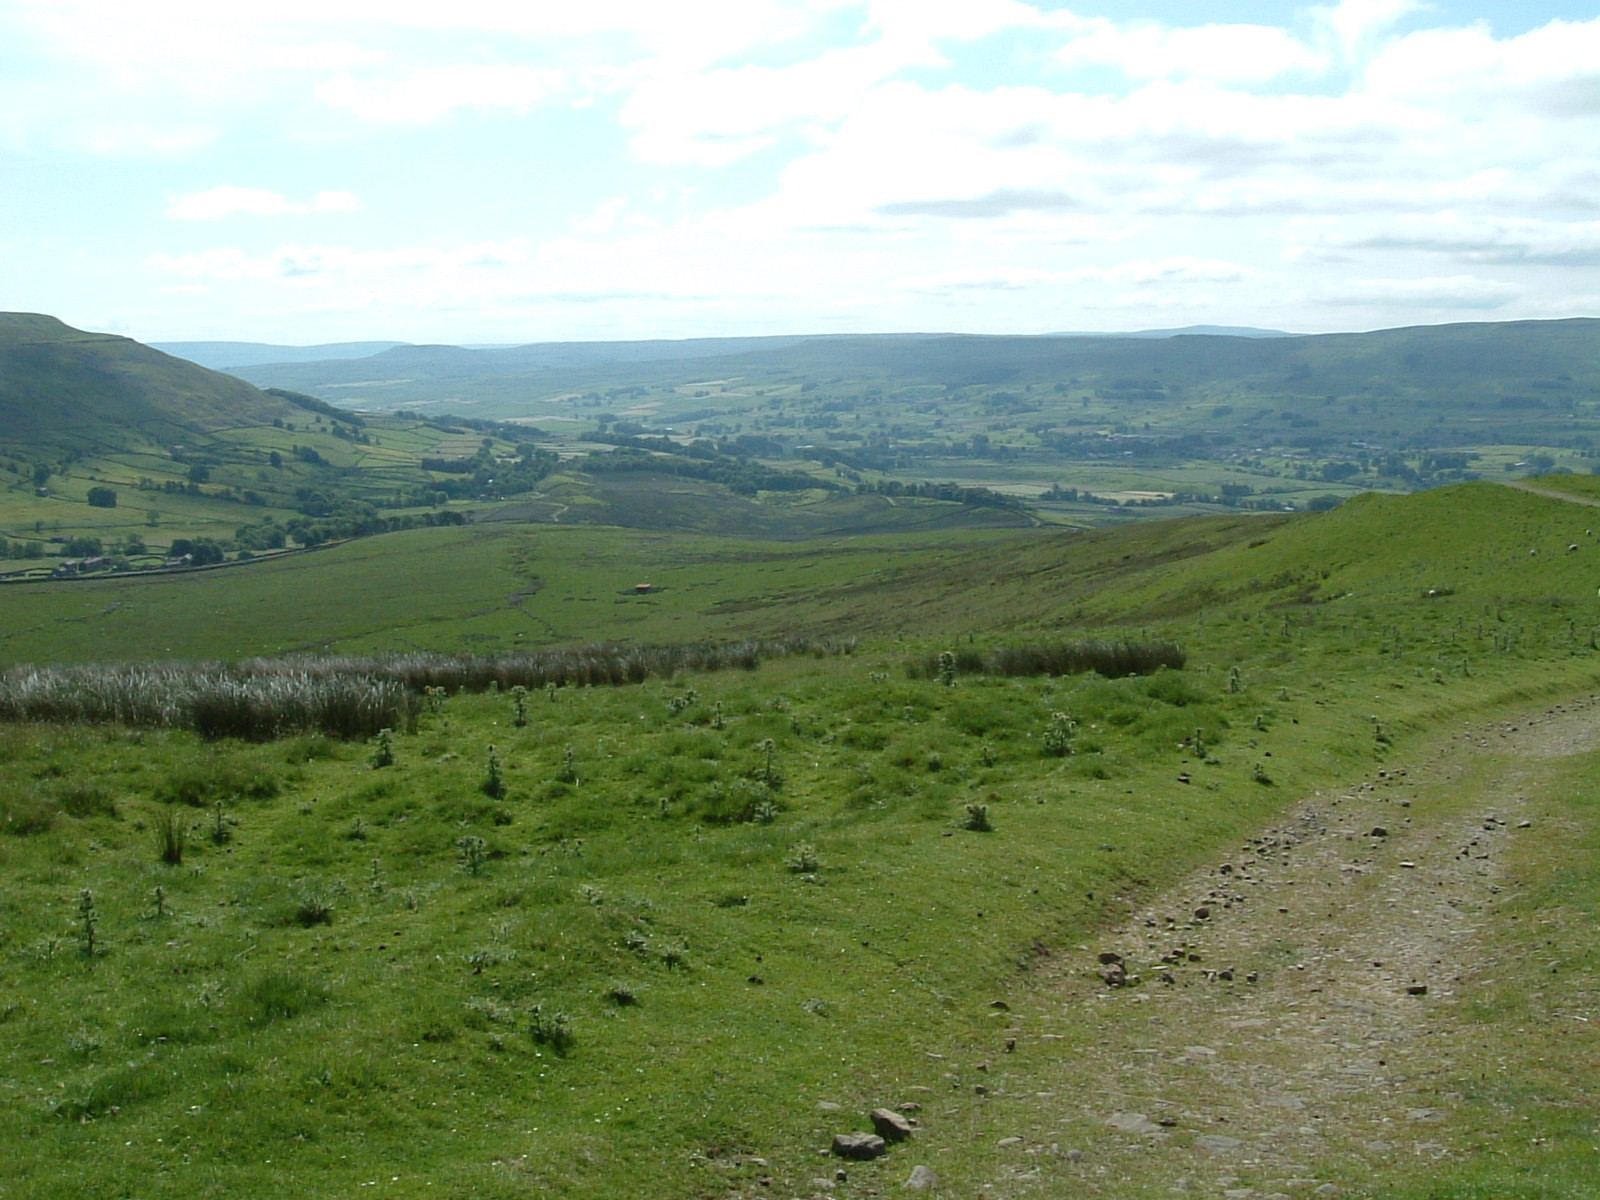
(243,1051)
(62,388)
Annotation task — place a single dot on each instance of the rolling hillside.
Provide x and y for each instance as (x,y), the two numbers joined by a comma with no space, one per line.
(671,931)
(62,389)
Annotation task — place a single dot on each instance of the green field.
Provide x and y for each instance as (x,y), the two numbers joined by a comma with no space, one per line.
(599,941)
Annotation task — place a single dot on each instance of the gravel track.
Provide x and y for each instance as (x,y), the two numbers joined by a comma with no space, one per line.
(1289,1015)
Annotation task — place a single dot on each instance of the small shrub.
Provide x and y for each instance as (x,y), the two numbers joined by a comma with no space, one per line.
(976,819)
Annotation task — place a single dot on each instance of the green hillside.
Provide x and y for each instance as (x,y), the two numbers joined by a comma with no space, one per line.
(63,389)
(669,937)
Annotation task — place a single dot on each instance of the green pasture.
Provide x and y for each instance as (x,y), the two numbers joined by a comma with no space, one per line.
(625,941)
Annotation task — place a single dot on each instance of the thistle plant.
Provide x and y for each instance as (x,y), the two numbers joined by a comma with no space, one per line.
(473,851)
(494,784)
(1058,734)
(977,819)
(314,904)
(88,919)
(769,771)
(802,859)
(947,668)
(383,749)
(221,833)
(519,705)
(569,766)
(551,1028)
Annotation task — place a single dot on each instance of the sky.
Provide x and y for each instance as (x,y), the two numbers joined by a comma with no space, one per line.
(494,171)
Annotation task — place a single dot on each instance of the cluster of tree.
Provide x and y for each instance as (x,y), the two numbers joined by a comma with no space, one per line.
(346,520)
(201,552)
(21,549)
(743,476)
(973,497)
(483,476)
(320,407)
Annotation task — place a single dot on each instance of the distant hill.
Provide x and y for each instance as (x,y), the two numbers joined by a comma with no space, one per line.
(62,388)
(1484,363)
(223,356)
(440,362)
(1210,330)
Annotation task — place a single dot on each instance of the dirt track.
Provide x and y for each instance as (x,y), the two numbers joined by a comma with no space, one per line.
(1308,1017)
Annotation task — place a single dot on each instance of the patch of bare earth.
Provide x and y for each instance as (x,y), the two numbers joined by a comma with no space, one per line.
(1284,1023)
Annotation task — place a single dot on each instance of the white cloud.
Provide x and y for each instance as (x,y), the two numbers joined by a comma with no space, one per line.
(434,92)
(1452,292)
(1179,269)
(1236,53)
(1354,25)
(748,158)
(1467,238)
(297,261)
(226,200)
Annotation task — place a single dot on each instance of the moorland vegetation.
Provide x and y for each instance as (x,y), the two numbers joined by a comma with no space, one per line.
(664,929)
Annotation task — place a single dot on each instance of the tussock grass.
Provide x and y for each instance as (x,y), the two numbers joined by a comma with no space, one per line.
(595,665)
(1113,659)
(212,700)
(348,698)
